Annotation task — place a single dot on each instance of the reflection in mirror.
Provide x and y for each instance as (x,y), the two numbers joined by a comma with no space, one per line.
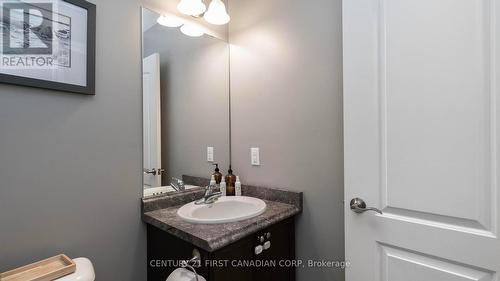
(185,106)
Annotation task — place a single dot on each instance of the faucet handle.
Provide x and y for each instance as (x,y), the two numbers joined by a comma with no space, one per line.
(209,189)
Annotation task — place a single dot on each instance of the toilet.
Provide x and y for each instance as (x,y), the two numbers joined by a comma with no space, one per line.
(84,271)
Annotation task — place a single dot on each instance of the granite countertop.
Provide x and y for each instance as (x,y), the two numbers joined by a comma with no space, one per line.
(161,212)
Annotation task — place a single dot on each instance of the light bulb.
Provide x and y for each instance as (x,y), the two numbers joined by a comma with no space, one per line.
(169,21)
(192,30)
(216,13)
(191,7)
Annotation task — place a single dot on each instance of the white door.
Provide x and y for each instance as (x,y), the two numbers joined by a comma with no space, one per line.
(421,103)
(152,120)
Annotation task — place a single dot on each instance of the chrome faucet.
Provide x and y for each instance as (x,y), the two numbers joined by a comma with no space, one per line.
(177,184)
(210,195)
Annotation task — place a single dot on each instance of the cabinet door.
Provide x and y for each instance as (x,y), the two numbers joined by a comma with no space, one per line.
(281,249)
(164,250)
(237,252)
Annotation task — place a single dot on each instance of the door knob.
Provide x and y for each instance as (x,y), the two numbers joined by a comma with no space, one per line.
(358,205)
(151,172)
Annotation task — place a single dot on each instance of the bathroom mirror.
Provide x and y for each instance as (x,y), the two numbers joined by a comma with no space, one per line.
(185,105)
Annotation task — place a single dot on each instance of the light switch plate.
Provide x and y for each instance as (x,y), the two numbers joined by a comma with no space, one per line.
(255,156)
(210,154)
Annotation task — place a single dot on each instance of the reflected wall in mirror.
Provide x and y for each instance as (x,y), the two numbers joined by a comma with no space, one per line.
(185,105)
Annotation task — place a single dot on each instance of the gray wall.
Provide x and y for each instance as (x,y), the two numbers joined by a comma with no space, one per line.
(287,100)
(195,100)
(70,165)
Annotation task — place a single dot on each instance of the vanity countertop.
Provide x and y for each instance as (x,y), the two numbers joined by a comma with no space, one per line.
(161,212)
(211,237)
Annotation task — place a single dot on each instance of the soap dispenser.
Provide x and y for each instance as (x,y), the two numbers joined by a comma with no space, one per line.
(230,181)
(217,175)
(223,187)
(237,186)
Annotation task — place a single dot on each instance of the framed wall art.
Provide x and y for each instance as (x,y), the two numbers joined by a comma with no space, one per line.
(48,44)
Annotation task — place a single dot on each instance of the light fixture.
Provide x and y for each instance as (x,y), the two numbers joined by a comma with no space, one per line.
(192,30)
(216,13)
(169,21)
(191,7)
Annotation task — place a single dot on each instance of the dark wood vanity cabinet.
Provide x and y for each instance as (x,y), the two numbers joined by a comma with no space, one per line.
(234,262)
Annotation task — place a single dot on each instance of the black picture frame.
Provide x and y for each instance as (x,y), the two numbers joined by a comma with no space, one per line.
(89,89)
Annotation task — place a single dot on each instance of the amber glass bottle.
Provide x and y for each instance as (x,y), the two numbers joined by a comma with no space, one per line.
(230,180)
(217,175)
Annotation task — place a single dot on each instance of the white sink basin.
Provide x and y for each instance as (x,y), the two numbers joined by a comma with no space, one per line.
(226,209)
